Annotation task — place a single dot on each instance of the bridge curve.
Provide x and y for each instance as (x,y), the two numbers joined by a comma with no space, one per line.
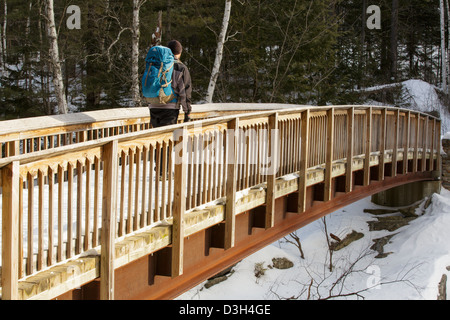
(98,206)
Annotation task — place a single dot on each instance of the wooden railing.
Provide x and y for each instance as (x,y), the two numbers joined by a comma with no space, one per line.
(68,189)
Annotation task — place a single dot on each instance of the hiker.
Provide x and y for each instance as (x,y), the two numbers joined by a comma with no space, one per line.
(166,113)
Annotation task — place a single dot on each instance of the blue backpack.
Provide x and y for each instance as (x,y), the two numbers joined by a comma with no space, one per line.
(157,78)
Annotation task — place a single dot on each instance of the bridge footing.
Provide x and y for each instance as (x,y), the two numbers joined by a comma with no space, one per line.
(407,194)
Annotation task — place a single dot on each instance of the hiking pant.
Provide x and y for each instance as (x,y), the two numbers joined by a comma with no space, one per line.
(163,117)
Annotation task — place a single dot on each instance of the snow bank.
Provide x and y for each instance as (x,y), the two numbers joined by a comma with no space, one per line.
(420,253)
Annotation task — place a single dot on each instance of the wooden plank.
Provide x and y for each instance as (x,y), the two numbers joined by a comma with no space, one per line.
(69,210)
(433,146)
(10,232)
(368,146)
(144,187)
(30,252)
(110,158)
(59,252)
(416,145)
(179,201)
(303,161)
(395,149)
(40,253)
(231,187)
(129,223)
(439,157)
(51,212)
(87,202)
(272,171)
(329,155)
(425,144)
(350,148)
(407,142)
(96,202)
(79,238)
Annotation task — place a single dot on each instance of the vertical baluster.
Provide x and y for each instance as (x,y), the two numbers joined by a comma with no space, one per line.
(40,253)
(87,210)
(350,148)
(30,251)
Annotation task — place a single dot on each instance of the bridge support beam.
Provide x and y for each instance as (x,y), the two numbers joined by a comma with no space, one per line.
(407,194)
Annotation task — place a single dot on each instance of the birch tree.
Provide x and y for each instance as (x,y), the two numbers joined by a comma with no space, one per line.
(3,44)
(135,89)
(54,59)
(443,46)
(219,52)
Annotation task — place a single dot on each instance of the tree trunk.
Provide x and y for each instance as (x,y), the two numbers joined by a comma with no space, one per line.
(3,44)
(219,52)
(443,50)
(54,59)
(135,89)
(394,41)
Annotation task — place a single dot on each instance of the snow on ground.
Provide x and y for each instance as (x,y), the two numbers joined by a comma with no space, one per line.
(419,258)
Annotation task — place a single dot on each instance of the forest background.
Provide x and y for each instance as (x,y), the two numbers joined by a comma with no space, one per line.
(314,52)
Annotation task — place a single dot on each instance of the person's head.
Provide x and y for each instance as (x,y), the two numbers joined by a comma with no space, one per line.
(176,48)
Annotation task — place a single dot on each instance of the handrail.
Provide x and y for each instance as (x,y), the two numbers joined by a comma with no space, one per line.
(213,158)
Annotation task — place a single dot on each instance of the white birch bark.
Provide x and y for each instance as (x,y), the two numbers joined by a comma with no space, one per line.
(135,89)
(219,52)
(54,60)
(443,48)
(448,43)
(3,44)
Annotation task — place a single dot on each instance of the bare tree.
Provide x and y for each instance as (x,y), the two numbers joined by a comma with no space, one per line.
(219,52)
(135,89)
(54,59)
(443,48)
(3,43)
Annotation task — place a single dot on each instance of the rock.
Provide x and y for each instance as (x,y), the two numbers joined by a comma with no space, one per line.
(215,281)
(353,236)
(391,223)
(282,263)
(379,246)
(380,211)
(442,288)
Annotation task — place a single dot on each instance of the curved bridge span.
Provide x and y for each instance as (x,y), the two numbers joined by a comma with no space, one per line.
(97,205)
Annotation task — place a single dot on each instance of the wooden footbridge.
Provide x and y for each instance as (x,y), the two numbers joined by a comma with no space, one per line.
(96,205)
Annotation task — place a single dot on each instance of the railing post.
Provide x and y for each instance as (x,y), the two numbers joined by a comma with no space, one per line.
(368,146)
(10,231)
(303,161)
(231,187)
(425,144)
(382,145)
(179,201)
(108,235)
(329,155)
(407,142)
(416,145)
(433,145)
(350,137)
(395,150)
(272,174)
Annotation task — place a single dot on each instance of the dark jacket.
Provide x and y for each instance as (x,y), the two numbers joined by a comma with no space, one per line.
(182,87)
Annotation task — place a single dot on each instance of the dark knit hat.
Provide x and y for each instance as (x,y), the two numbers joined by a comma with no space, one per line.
(175,46)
